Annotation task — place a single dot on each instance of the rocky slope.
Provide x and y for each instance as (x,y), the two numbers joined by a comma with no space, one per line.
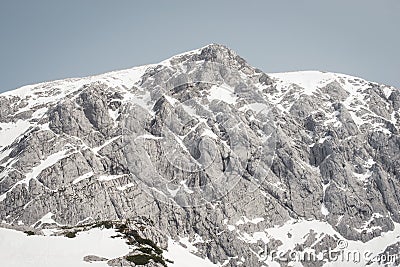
(209,151)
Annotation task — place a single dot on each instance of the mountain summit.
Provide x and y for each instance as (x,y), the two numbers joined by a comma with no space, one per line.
(206,155)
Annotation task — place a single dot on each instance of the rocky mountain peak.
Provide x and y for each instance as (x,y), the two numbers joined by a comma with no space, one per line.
(217,52)
(212,53)
(202,147)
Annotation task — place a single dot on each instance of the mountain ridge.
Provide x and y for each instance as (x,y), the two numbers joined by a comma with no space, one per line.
(165,61)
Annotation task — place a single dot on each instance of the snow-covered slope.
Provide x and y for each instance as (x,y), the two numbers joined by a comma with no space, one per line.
(19,250)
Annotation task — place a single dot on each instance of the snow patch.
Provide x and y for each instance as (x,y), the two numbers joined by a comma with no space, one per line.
(310,81)
(106,143)
(366,226)
(171,100)
(44,164)
(363,177)
(387,91)
(124,187)
(223,93)
(114,114)
(10,131)
(149,136)
(182,257)
(19,250)
(143,100)
(209,133)
(104,178)
(324,210)
(47,218)
(82,177)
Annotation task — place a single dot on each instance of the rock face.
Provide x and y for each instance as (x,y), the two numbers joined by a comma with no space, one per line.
(208,148)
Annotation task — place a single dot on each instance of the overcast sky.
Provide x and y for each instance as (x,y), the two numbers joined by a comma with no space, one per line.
(51,39)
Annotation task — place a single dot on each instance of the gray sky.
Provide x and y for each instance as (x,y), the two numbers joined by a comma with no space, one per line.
(52,39)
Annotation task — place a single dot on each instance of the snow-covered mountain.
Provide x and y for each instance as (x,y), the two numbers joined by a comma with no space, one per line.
(201,158)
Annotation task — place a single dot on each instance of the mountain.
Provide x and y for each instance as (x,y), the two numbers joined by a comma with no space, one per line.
(205,159)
